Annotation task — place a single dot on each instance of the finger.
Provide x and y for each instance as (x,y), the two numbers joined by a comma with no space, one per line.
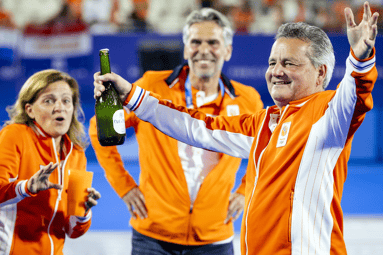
(51,167)
(374,32)
(140,209)
(236,216)
(130,208)
(91,202)
(54,186)
(95,75)
(98,89)
(93,193)
(349,17)
(367,11)
(229,216)
(141,196)
(87,206)
(46,171)
(374,18)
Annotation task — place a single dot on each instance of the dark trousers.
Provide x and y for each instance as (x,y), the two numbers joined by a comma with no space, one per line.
(144,245)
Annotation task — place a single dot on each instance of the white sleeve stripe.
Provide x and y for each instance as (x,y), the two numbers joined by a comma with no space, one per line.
(22,189)
(136,98)
(20,194)
(181,126)
(361,67)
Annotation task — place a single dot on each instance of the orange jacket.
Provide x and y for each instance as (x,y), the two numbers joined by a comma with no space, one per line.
(162,178)
(35,223)
(297,159)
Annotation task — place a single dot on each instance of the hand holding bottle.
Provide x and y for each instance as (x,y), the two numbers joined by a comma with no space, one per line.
(122,86)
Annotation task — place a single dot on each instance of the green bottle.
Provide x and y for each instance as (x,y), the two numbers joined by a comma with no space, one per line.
(109,110)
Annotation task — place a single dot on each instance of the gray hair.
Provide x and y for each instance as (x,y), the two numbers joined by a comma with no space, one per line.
(209,14)
(321,53)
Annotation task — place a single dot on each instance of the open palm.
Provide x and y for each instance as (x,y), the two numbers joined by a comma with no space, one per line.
(40,180)
(362,37)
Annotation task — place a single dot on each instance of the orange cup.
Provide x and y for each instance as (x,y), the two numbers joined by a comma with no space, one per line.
(79,181)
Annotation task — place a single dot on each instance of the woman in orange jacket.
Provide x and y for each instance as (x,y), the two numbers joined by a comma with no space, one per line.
(39,146)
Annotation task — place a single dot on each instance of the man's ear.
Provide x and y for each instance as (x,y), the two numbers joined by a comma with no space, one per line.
(229,51)
(29,110)
(322,71)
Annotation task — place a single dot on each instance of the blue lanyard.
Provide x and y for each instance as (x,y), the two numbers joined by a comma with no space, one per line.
(188,92)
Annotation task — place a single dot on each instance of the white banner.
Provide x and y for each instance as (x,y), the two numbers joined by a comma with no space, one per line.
(59,45)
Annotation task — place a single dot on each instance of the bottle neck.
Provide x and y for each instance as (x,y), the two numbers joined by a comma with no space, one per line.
(105,64)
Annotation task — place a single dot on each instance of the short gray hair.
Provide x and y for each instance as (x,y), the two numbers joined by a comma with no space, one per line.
(209,14)
(321,50)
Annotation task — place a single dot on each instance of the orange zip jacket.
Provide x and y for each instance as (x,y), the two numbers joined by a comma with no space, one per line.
(162,178)
(297,159)
(35,224)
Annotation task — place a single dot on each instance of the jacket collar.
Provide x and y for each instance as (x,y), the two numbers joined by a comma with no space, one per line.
(42,135)
(183,70)
(296,104)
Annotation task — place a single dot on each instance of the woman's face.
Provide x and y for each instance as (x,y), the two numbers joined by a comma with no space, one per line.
(53,109)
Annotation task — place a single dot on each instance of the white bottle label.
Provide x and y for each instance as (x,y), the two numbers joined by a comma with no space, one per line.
(119,122)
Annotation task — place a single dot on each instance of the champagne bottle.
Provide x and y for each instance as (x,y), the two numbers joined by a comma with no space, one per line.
(109,110)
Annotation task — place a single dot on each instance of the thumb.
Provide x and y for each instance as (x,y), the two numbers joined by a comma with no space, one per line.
(55,186)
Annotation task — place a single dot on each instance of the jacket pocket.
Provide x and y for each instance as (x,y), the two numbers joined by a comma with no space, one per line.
(290,214)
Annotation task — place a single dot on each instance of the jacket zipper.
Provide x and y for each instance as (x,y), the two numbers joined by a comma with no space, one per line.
(57,200)
(255,184)
(61,182)
(291,214)
(257,171)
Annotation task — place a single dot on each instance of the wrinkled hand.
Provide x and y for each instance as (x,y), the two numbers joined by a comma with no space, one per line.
(40,180)
(122,86)
(236,206)
(362,37)
(93,196)
(135,202)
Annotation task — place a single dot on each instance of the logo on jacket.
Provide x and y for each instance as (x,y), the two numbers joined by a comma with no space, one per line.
(232,110)
(283,135)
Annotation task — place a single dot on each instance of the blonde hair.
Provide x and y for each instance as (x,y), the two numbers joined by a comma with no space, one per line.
(31,90)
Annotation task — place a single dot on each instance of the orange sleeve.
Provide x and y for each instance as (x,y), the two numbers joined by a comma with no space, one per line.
(258,105)
(110,160)
(10,156)
(242,186)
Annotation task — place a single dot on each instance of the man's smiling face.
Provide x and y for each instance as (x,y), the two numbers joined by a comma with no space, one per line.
(205,49)
(291,75)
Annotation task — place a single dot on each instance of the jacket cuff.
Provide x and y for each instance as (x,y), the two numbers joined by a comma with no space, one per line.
(129,97)
(22,189)
(135,97)
(362,65)
(84,219)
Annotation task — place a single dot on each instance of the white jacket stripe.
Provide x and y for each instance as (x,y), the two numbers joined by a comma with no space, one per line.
(312,222)
(194,133)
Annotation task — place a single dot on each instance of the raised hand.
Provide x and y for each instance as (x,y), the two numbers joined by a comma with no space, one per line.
(362,37)
(135,202)
(40,180)
(122,86)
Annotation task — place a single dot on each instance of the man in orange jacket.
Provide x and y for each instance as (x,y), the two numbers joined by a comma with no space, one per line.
(183,202)
(298,149)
